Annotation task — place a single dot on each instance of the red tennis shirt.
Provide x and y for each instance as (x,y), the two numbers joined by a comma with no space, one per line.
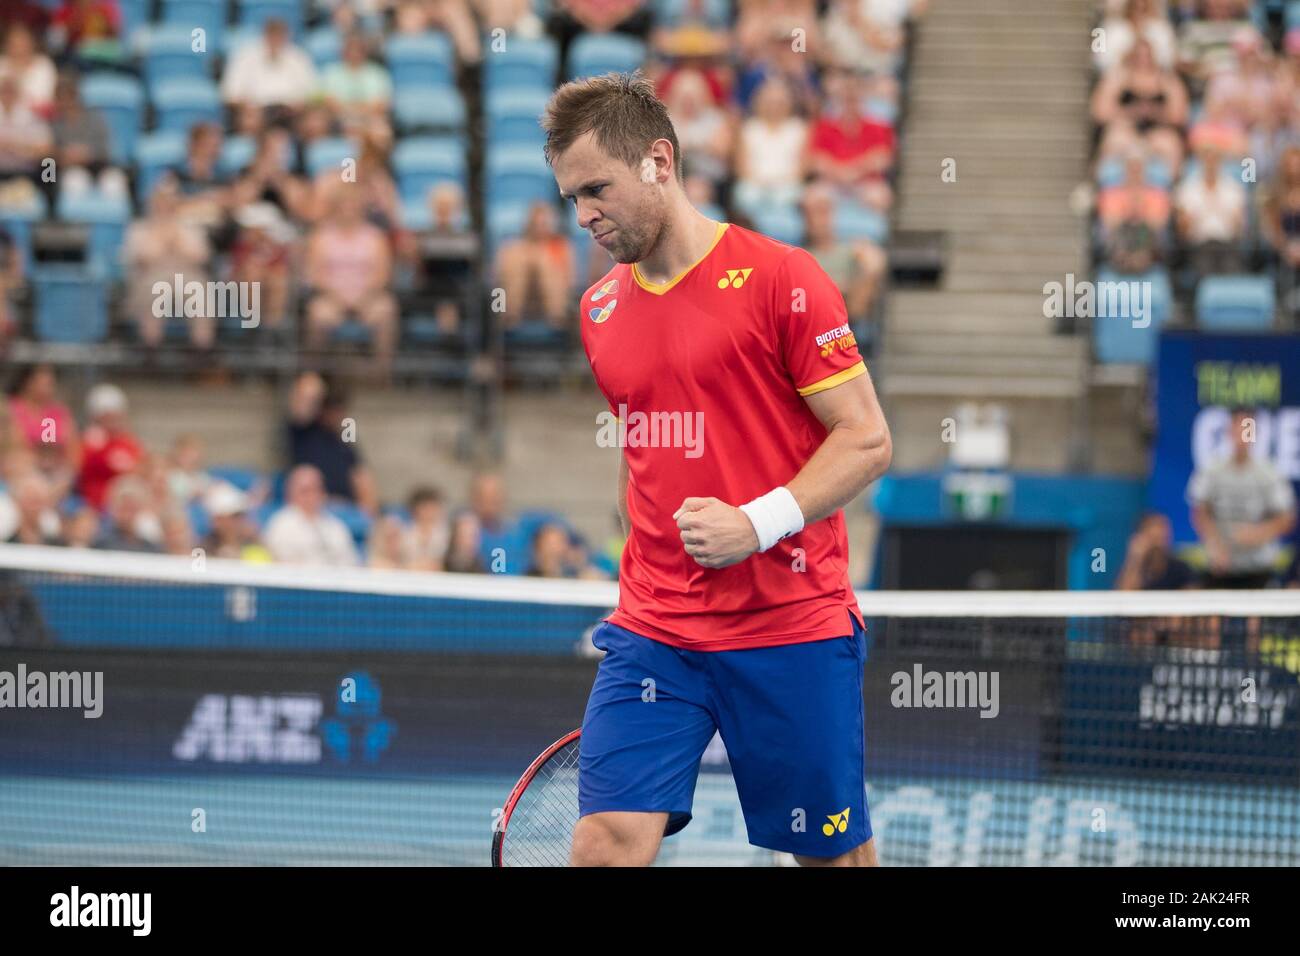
(707,375)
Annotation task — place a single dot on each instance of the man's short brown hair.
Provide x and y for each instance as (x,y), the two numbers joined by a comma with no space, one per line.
(620,108)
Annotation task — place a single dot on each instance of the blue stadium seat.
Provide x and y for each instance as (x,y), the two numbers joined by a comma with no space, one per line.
(351,332)
(438,109)
(208,15)
(135,14)
(239,37)
(155,153)
(71,304)
(1236,303)
(254,13)
(717,13)
(329,154)
(324,45)
(1111,173)
(856,221)
(182,103)
(107,217)
(167,54)
(421,161)
(120,100)
(1115,339)
(518,175)
(514,116)
(420,60)
(236,153)
(782,223)
(17,220)
(530,64)
(595,53)
(505,220)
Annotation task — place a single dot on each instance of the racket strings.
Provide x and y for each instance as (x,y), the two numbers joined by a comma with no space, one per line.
(540,830)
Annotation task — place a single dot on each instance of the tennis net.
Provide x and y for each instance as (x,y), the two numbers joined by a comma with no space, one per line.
(211,712)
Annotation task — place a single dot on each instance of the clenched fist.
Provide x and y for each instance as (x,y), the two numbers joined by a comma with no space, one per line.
(714,533)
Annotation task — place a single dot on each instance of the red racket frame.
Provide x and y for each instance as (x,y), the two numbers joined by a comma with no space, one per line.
(499,838)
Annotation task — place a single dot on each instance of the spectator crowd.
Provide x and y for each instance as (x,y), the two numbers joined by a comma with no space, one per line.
(91,482)
(785,109)
(1196,109)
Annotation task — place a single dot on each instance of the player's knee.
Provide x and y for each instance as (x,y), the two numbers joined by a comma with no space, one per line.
(602,839)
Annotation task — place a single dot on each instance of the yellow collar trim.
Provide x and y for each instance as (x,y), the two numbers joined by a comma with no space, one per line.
(659,288)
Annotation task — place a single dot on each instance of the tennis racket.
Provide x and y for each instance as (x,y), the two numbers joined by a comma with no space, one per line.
(536,826)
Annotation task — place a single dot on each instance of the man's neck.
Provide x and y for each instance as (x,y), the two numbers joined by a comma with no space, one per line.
(688,237)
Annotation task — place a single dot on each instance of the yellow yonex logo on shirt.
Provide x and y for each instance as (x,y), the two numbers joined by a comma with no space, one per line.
(600,315)
(734,278)
(839,823)
(608,288)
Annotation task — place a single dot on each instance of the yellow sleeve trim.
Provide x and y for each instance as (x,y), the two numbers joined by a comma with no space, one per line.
(839,378)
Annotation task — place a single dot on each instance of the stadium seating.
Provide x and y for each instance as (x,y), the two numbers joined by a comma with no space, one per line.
(330,153)
(207,15)
(420,162)
(184,102)
(528,64)
(324,45)
(107,217)
(155,153)
(1116,339)
(120,100)
(420,61)
(440,109)
(255,13)
(71,304)
(1235,303)
(166,52)
(594,53)
(17,220)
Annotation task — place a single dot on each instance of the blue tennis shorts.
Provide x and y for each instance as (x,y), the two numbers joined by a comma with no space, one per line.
(790,717)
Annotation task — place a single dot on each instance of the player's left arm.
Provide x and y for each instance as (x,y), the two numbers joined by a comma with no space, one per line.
(855,452)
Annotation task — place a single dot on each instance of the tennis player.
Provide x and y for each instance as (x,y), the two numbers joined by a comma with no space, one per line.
(747,421)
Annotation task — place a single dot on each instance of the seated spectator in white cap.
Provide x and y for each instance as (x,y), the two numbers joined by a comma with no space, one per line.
(232,535)
(109,449)
(303,532)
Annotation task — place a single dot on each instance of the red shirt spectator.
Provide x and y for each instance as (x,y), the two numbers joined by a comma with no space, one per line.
(847,138)
(82,20)
(109,448)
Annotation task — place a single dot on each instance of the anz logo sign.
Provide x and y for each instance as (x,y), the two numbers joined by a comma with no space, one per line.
(289,728)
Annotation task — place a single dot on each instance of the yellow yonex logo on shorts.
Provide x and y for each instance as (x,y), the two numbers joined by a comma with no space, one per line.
(839,823)
(734,278)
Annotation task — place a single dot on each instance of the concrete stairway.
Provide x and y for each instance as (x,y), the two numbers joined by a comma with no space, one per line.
(999,87)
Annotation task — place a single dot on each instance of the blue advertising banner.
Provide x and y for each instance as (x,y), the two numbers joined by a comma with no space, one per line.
(1200,378)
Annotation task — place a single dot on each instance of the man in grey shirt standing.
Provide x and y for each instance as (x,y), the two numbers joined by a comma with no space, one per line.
(1241,506)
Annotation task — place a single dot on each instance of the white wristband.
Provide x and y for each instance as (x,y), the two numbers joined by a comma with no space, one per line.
(775,515)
